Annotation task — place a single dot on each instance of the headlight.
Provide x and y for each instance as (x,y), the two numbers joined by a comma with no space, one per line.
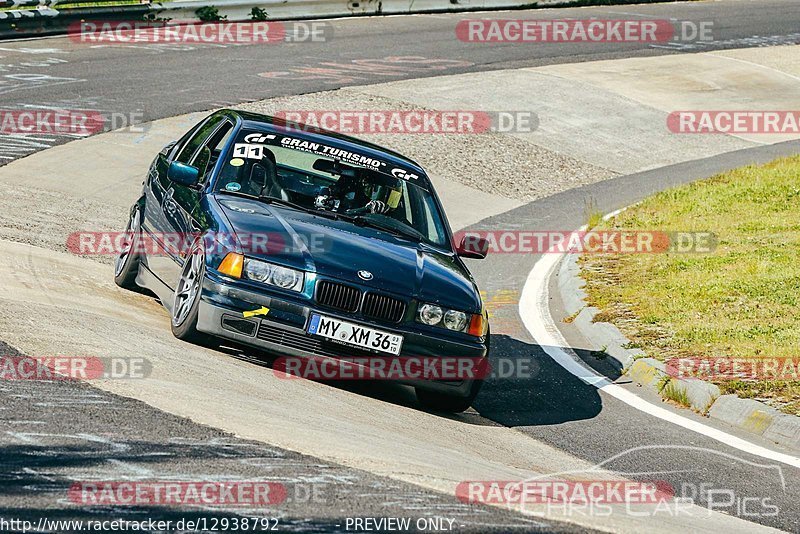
(455,320)
(430,314)
(285,278)
(257,270)
(434,315)
(275,275)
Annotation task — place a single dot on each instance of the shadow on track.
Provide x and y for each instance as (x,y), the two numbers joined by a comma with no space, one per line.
(527,387)
(546,395)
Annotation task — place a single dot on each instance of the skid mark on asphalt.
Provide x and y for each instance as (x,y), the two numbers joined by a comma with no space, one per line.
(741,42)
(359,70)
(40,466)
(17,82)
(16,143)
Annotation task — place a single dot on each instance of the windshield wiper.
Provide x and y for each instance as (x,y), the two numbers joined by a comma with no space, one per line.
(363,221)
(266,200)
(287,203)
(312,211)
(275,200)
(237,194)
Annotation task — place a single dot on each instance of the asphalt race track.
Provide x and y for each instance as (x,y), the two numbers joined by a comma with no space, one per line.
(165,79)
(54,434)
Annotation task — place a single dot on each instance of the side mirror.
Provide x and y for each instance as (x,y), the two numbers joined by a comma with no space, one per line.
(473,246)
(183,174)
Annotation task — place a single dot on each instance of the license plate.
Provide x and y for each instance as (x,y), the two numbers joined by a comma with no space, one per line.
(355,335)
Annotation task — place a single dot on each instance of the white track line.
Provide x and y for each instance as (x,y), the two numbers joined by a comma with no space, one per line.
(534,309)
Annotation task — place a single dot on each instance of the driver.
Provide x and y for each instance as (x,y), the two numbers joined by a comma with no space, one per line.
(355,194)
(373,206)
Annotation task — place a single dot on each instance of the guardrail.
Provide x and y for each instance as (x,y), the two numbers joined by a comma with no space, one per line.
(48,18)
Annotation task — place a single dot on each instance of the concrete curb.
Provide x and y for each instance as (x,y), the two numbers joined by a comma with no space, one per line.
(607,336)
(703,397)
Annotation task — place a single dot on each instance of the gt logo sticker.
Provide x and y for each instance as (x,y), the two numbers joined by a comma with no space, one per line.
(246,150)
(402,174)
(258,138)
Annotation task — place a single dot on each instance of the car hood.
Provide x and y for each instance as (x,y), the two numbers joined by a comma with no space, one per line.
(340,249)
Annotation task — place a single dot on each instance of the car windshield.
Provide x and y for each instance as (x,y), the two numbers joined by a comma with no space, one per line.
(334,182)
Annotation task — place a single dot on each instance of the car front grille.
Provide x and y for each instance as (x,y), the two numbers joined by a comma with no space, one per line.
(347,298)
(338,296)
(383,307)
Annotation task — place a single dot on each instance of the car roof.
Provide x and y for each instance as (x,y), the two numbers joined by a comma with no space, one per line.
(267,123)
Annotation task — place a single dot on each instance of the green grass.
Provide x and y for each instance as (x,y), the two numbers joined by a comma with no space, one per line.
(592,215)
(676,395)
(742,300)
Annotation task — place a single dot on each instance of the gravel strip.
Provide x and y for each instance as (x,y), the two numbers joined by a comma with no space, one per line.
(497,164)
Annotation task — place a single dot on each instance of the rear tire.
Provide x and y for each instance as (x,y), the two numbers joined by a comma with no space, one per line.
(127,265)
(186,303)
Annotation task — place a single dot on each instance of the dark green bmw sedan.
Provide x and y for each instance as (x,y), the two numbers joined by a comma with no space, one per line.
(314,246)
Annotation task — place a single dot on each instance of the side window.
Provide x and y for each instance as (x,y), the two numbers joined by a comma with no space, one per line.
(206,157)
(424,209)
(221,138)
(200,136)
(408,216)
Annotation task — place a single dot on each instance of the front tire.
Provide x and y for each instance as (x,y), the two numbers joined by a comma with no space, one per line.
(442,402)
(127,265)
(186,303)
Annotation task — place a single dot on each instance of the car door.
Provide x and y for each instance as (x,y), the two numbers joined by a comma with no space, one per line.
(169,205)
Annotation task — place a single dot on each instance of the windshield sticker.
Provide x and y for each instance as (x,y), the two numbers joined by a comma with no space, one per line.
(331,152)
(255,151)
(233,186)
(237,162)
(248,151)
(258,138)
(403,174)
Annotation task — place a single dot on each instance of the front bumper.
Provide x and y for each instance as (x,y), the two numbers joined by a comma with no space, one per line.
(283,331)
